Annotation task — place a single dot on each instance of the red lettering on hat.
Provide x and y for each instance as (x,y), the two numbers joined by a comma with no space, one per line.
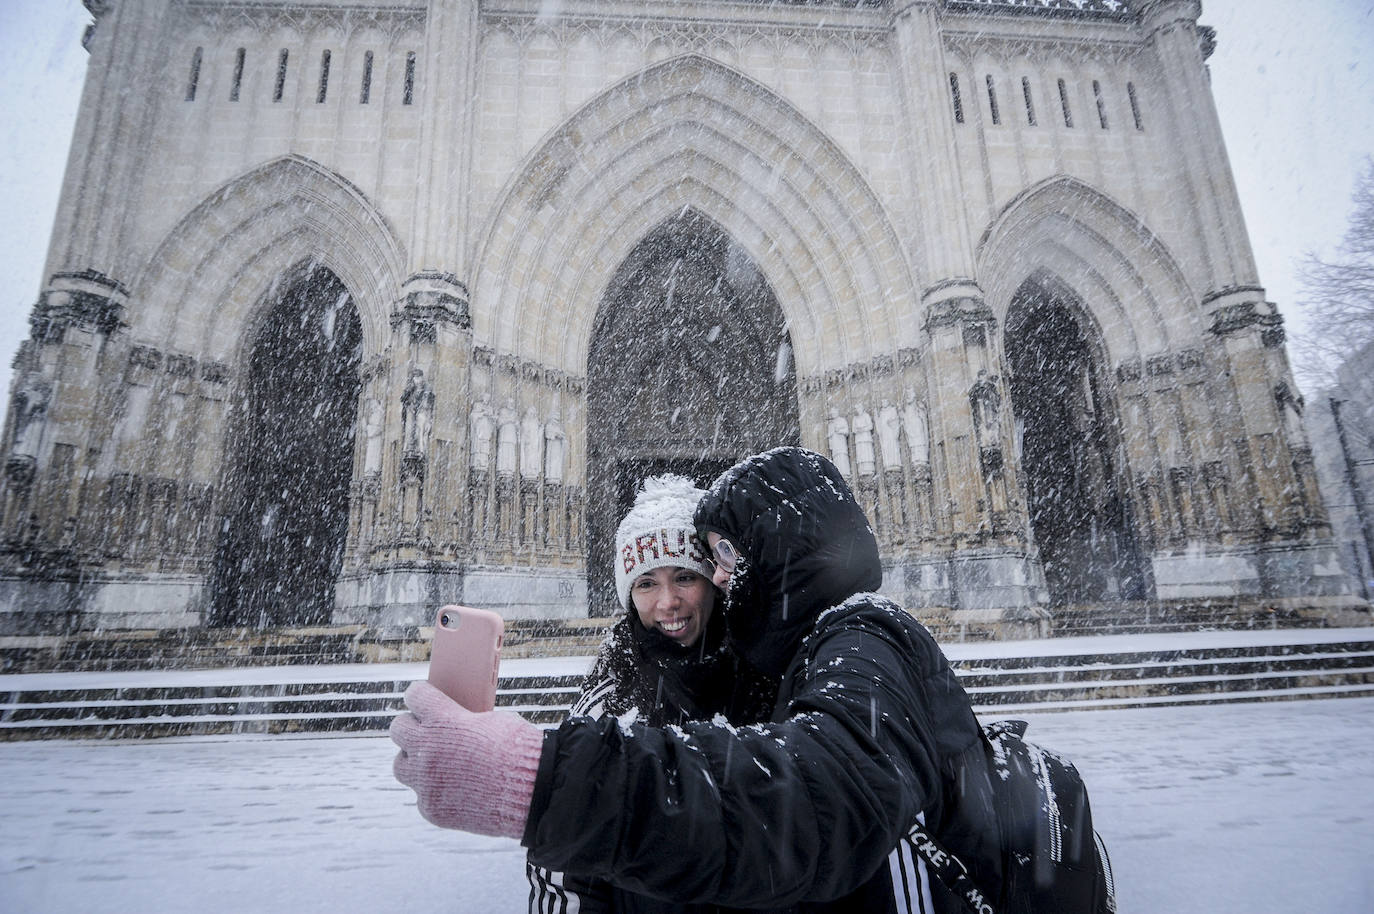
(669,552)
(698,552)
(628,556)
(647,541)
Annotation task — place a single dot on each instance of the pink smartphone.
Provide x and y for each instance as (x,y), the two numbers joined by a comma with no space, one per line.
(466,655)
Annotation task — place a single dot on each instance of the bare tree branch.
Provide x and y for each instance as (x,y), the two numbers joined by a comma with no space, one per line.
(1338,295)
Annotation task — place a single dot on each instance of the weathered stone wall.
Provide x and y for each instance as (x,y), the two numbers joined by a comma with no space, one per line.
(475,173)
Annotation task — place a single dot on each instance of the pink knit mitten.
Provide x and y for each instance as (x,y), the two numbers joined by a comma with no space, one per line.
(472,772)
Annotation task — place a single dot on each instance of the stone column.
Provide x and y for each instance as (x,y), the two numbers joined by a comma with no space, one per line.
(972,437)
(106,167)
(1172,29)
(1288,549)
(986,565)
(447,76)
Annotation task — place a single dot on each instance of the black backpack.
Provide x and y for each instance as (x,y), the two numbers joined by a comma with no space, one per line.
(1052,859)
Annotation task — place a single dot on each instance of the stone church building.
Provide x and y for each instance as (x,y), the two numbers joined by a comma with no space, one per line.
(358,306)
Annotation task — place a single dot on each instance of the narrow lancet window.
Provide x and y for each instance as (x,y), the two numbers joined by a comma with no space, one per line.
(1101,104)
(954,96)
(195,75)
(237,83)
(408,94)
(366,93)
(1064,103)
(992,101)
(280,86)
(324,78)
(1030,105)
(1135,106)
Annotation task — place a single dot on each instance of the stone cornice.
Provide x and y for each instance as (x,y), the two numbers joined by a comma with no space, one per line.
(881,366)
(693,25)
(1071,9)
(263,17)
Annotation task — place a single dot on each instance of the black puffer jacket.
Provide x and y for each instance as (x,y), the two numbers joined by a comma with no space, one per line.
(810,811)
(641,674)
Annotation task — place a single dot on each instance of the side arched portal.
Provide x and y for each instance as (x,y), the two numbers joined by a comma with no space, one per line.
(690,369)
(1078,486)
(284,519)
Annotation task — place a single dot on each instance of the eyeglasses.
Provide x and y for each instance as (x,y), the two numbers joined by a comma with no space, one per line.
(725,556)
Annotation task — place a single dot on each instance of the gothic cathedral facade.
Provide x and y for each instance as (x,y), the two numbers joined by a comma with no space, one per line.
(359,306)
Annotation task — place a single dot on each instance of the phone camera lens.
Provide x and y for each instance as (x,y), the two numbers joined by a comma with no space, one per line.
(443,620)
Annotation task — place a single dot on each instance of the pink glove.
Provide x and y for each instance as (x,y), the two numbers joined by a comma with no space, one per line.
(472,772)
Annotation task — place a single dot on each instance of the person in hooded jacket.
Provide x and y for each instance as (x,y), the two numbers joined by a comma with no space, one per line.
(871,740)
(664,661)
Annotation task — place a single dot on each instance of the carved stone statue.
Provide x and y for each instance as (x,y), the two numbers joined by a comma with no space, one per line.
(889,433)
(917,431)
(480,426)
(986,403)
(554,441)
(30,415)
(417,402)
(372,455)
(863,442)
(531,445)
(837,432)
(506,443)
(1290,410)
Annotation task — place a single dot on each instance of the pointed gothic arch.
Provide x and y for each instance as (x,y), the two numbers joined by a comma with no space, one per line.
(289,457)
(1082,286)
(232,247)
(689,371)
(1123,273)
(691,133)
(1079,496)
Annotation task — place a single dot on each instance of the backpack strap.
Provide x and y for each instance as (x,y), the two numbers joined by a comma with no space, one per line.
(949,869)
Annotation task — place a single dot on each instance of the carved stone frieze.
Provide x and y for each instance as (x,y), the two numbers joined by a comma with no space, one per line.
(145,357)
(963,310)
(881,366)
(267,19)
(1076,9)
(1160,366)
(861,25)
(87,299)
(430,298)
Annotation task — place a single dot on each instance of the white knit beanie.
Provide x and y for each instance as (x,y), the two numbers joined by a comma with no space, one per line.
(658,531)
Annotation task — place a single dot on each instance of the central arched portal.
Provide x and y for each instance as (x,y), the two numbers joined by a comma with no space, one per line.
(1069,432)
(285,518)
(690,369)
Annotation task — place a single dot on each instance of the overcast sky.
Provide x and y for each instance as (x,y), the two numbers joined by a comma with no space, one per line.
(1293,80)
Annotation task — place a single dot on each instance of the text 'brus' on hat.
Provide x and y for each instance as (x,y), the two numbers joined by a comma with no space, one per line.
(658,532)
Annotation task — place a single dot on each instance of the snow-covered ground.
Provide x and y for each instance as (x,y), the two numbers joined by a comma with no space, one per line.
(1241,808)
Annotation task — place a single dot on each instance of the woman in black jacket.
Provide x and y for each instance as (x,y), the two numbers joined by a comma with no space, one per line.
(872,738)
(664,661)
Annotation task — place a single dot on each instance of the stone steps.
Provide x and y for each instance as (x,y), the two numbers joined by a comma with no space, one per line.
(201,649)
(365,698)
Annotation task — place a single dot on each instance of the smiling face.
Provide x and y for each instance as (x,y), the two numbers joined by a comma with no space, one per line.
(675,602)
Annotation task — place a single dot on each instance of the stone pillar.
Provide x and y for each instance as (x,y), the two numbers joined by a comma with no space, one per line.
(411,462)
(446,79)
(945,240)
(972,436)
(118,110)
(984,564)
(1287,551)
(1224,244)
(55,399)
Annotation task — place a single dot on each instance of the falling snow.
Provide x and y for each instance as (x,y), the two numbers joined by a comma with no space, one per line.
(1252,808)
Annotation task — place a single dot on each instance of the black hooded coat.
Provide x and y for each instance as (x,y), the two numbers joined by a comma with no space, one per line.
(871,730)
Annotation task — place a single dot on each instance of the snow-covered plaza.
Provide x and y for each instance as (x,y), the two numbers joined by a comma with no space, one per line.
(1246,808)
